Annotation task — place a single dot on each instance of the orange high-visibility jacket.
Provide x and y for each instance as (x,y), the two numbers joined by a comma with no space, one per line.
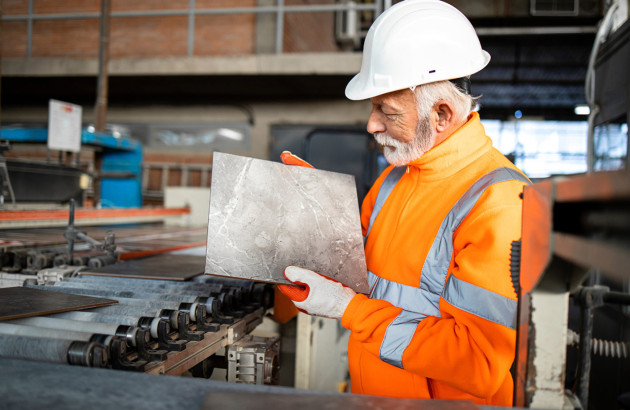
(441,316)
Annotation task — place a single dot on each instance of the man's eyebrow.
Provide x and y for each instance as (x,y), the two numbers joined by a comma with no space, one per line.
(390,106)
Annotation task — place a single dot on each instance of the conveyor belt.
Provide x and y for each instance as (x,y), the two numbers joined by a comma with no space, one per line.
(161,327)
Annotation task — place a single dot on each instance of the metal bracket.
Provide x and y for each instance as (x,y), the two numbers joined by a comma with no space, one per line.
(254,360)
(108,246)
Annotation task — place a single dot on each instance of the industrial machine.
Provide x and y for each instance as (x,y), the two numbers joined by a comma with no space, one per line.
(130,304)
(117,170)
(156,326)
(159,327)
(574,316)
(574,323)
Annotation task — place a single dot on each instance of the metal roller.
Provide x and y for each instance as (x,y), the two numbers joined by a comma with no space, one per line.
(135,294)
(147,283)
(215,309)
(89,354)
(115,286)
(213,285)
(211,306)
(177,313)
(242,293)
(39,260)
(198,309)
(177,319)
(27,330)
(132,334)
(87,288)
(159,328)
(102,318)
(228,304)
(223,280)
(195,311)
(19,262)
(116,346)
(254,292)
(121,289)
(262,294)
(59,260)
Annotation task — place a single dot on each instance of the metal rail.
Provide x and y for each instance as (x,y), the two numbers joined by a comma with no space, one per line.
(191,12)
(11,219)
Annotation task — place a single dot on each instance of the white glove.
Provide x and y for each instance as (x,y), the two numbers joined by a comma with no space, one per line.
(321,296)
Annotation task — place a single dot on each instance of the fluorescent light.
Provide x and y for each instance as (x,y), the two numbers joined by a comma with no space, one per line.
(582,109)
(230,134)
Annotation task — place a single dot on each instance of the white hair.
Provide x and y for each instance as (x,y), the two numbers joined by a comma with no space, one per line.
(427,95)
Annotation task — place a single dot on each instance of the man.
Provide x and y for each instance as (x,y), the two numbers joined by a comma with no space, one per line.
(440,318)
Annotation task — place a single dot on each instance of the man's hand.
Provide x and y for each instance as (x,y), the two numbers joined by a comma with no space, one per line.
(290,159)
(316,294)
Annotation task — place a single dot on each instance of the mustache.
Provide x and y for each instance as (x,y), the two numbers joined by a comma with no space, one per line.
(385,139)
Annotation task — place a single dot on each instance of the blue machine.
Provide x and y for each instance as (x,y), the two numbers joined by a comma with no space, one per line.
(121,172)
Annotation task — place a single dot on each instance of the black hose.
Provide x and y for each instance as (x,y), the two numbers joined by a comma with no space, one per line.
(515,265)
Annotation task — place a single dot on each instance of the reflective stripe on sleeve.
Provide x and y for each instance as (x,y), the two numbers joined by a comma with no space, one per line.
(407,297)
(480,302)
(397,337)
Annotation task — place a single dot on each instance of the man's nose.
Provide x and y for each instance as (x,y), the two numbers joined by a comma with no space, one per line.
(375,123)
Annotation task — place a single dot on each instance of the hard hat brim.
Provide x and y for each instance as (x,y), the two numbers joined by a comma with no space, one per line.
(361,88)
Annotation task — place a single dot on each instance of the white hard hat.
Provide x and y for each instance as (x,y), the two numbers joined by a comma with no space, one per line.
(416,42)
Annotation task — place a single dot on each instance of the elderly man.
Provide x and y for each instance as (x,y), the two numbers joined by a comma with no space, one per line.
(440,318)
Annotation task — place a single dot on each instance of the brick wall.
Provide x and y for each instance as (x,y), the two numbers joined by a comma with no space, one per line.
(309,32)
(161,36)
(14,7)
(131,5)
(77,38)
(13,39)
(142,37)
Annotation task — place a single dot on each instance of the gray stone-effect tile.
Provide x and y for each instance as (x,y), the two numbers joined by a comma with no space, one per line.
(265,216)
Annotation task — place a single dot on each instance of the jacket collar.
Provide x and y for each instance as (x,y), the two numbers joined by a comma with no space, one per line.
(465,145)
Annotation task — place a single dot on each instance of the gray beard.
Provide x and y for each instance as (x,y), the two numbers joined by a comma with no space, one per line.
(402,153)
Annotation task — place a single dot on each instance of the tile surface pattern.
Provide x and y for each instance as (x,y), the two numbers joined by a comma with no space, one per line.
(265,216)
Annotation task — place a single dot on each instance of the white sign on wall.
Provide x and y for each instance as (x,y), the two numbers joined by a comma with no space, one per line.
(64,126)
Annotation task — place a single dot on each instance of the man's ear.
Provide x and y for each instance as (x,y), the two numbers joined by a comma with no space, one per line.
(444,115)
